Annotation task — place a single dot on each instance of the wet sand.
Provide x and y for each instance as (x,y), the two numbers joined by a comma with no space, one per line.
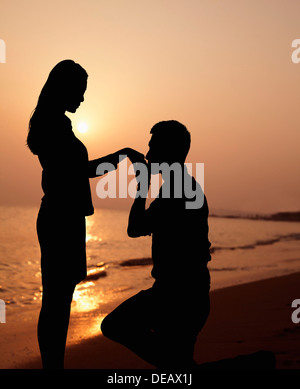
(244,319)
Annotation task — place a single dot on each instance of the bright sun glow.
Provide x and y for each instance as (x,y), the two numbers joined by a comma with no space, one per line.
(82,127)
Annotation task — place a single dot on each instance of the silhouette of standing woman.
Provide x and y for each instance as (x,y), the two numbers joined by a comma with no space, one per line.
(66,201)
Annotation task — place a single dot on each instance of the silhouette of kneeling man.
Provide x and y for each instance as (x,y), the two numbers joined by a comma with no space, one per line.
(161,324)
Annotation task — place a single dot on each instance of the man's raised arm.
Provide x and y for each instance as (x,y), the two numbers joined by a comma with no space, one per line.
(139,218)
(137,222)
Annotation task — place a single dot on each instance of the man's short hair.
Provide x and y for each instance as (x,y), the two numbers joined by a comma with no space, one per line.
(175,136)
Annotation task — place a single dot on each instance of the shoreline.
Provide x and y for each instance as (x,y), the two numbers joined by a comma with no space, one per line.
(244,318)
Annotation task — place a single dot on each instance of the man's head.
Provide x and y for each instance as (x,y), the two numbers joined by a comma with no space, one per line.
(170,142)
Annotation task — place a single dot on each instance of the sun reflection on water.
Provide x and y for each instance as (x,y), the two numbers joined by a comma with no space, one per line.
(90,237)
(94,238)
(87,312)
(94,328)
(85,299)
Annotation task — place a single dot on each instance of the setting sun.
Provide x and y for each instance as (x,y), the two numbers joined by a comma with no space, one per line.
(82,127)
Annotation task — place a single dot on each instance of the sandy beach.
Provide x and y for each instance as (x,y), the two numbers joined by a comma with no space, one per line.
(244,319)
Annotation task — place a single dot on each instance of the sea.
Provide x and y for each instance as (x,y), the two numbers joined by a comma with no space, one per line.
(243,250)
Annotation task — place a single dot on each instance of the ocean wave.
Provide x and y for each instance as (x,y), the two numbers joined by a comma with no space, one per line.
(148,261)
(279,216)
(95,274)
(137,262)
(101,269)
(289,237)
(230,269)
(223,268)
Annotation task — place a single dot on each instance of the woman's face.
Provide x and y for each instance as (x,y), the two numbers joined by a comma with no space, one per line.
(75,96)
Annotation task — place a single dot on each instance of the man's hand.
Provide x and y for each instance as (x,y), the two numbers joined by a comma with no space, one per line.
(135,156)
(141,171)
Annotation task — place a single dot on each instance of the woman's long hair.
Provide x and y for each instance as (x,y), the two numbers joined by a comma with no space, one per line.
(62,79)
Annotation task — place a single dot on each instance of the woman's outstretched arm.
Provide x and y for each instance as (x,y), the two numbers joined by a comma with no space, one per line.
(110,161)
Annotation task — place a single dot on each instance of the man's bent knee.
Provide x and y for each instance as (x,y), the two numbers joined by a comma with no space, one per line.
(104,327)
(107,327)
(112,329)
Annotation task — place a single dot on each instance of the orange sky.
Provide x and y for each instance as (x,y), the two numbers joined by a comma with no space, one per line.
(221,67)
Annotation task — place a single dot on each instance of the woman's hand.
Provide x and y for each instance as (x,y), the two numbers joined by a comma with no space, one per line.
(135,156)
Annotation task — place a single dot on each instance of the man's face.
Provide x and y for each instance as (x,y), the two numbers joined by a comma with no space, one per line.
(158,150)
